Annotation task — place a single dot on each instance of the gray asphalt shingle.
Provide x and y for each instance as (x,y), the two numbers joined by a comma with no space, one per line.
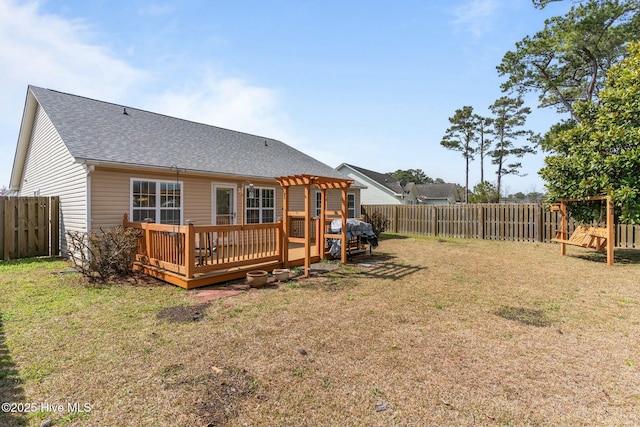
(99,131)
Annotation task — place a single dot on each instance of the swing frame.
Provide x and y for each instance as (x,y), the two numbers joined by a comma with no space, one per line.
(590,237)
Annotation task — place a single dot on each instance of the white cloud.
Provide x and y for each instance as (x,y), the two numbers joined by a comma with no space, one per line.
(49,51)
(226,102)
(475,16)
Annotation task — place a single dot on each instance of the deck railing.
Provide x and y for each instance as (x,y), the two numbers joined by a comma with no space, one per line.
(226,246)
(190,250)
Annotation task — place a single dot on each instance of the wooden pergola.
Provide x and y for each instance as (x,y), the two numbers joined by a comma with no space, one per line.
(323,184)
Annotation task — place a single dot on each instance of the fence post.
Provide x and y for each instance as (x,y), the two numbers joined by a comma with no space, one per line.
(539,232)
(480,222)
(3,229)
(395,219)
(54,230)
(434,220)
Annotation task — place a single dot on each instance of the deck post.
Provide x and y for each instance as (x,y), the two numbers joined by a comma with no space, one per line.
(285,227)
(147,240)
(344,226)
(190,250)
(323,217)
(563,226)
(307,229)
(611,231)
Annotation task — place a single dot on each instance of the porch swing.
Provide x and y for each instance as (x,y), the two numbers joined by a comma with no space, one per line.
(591,237)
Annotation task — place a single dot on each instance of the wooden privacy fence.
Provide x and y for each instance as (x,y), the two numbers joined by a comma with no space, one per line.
(29,226)
(527,222)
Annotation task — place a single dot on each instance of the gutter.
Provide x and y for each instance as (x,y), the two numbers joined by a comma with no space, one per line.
(165,169)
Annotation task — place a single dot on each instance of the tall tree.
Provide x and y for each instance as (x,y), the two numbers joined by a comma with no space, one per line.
(416,176)
(483,130)
(568,60)
(460,136)
(484,192)
(601,153)
(508,121)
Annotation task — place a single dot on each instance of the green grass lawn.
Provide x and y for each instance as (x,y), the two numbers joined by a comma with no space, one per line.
(427,331)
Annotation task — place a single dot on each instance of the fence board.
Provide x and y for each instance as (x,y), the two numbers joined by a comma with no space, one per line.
(29,226)
(527,222)
(2,229)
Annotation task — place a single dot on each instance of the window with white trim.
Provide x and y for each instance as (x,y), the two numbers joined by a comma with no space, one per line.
(351,205)
(156,201)
(260,205)
(318,203)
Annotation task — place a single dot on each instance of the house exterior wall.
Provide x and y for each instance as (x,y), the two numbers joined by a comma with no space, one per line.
(50,170)
(111,196)
(334,200)
(374,194)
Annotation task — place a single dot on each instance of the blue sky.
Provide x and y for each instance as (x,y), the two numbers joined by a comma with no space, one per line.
(371,83)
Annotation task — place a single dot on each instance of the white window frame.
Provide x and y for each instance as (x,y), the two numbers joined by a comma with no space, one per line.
(158,205)
(354,208)
(318,203)
(260,209)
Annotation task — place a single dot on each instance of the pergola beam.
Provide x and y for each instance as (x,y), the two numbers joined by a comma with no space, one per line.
(323,183)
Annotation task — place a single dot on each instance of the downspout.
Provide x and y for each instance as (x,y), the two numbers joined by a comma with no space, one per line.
(88,170)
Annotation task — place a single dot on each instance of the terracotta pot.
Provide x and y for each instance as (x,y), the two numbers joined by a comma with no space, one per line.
(256,278)
(281,274)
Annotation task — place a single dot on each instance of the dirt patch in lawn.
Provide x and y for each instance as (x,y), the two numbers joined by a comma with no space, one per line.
(220,391)
(183,313)
(223,393)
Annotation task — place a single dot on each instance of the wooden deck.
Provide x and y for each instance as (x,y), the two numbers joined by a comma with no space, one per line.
(192,256)
(223,274)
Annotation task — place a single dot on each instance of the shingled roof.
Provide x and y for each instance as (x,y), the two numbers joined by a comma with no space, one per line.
(383,179)
(438,192)
(98,131)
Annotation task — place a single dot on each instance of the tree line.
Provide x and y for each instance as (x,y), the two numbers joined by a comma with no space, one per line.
(586,66)
(494,137)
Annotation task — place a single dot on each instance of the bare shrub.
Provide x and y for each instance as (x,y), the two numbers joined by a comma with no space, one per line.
(378,222)
(104,255)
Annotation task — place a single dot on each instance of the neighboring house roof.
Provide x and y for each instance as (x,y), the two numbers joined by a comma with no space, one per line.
(438,191)
(102,132)
(383,179)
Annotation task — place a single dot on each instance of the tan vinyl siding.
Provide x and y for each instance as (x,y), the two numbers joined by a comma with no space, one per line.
(109,198)
(198,200)
(50,170)
(111,195)
(334,200)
